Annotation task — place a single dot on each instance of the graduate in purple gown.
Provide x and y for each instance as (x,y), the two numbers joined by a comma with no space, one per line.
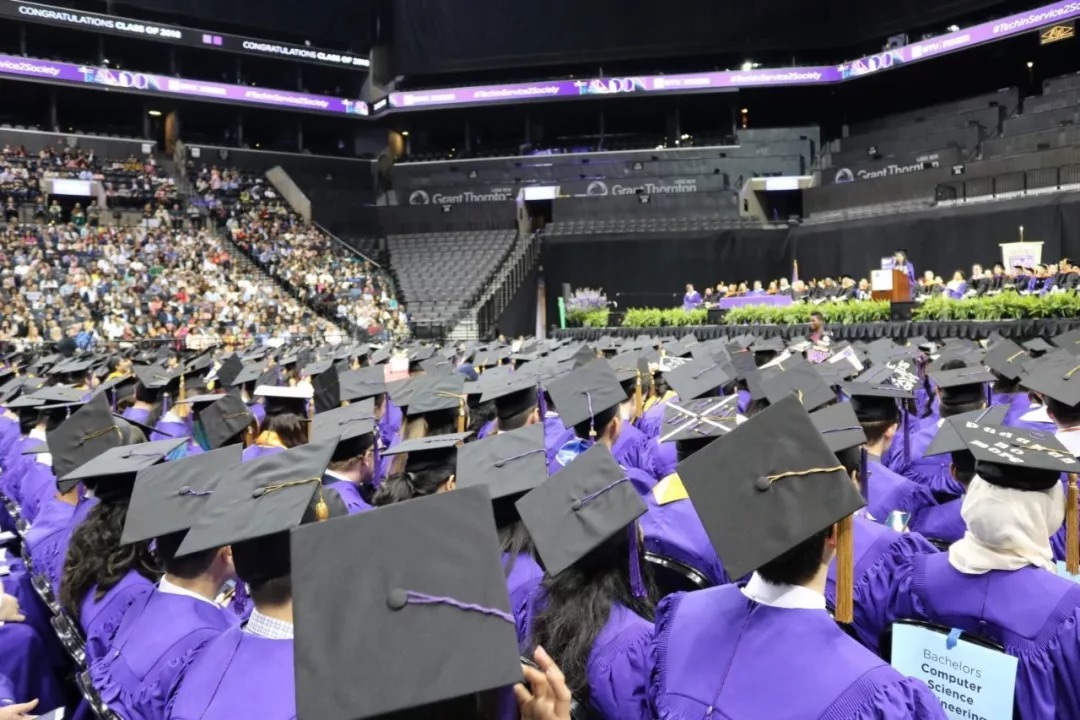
(723,651)
(286,424)
(692,298)
(353,465)
(999,582)
(164,630)
(24,661)
(248,671)
(593,611)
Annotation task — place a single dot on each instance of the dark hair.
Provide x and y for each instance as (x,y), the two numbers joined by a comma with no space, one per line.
(1063,414)
(963,465)
(875,429)
(817,315)
(96,557)
(578,606)
(409,484)
(851,459)
(517,420)
(514,540)
(948,410)
(1006,386)
(600,422)
(799,564)
(274,591)
(187,567)
(290,428)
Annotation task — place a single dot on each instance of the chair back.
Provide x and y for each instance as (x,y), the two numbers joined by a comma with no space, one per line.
(672,576)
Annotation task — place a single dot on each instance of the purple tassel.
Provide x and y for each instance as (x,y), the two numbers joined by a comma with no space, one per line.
(114,394)
(637,585)
(541,402)
(863,474)
(907,437)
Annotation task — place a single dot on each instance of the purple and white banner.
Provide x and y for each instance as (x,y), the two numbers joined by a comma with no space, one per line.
(136,82)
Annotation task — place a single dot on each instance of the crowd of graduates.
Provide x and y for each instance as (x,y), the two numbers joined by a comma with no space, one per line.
(639,528)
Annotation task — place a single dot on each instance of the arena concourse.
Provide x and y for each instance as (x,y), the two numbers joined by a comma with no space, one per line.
(378,360)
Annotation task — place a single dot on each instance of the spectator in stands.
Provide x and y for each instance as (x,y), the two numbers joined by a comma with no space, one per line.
(692,298)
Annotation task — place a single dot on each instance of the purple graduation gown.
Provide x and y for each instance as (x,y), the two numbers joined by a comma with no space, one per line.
(101,618)
(674,531)
(633,450)
(49,557)
(651,421)
(38,485)
(486,429)
(168,429)
(258,410)
(745,398)
(390,424)
(943,522)
(253,452)
(24,663)
(238,675)
(1030,612)
(718,654)
(523,579)
(889,491)
(158,639)
(350,494)
(879,550)
(930,472)
(666,458)
(139,415)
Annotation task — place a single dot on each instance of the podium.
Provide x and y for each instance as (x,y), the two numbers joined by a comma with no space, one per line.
(891,285)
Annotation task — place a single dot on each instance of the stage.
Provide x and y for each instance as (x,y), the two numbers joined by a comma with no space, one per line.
(971,330)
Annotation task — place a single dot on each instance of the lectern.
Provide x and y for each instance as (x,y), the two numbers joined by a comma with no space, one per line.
(891,285)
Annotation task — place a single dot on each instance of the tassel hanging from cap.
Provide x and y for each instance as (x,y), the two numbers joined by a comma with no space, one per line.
(639,401)
(864,473)
(1072,527)
(310,419)
(845,570)
(637,585)
(322,510)
(182,395)
(461,415)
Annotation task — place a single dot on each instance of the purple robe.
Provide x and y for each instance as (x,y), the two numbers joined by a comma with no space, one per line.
(931,472)
(1018,407)
(390,423)
(1033,614)
(101,618)
(674,531)
(11,478)
(691,300)
(38,486)
(523,579)
(718,654)
(666,458)
(899,452)
(169,429)
(350,494)
(879,550)
(943,522)
(253,452)
(139,415)
(24,663)
(889,491)
(258,411)
(158,639)
(633,450)
(652,420)
(486,429)
(745,398)
(238,675)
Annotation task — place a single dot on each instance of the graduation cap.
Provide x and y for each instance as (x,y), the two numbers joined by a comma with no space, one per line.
(963,385)
(693,379)
(1069,341)
(875,402)
(360,384)
(229,369)
(381,355)
(152,377)
(773,344)
(316,368)
(224,419)
(437,365)
(352,426)
(1017,459)
(1037,346)
(839,426)
(112,472)
(327,390)
(702,420)
(510,464)
(169,497)
(514,396)
(1007,359)
(282,400)
(587,391)
(581,507)
(439,394)
(420,601)
(90,431)
(781,485)
(1055,377)
(251,372)
(418,356)
(430,450)
(802,380)
(948,439)
(263,498)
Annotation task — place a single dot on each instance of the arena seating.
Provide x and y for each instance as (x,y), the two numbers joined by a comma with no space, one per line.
(440,274)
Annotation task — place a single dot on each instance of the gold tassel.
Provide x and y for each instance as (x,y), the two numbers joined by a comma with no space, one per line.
(461,415)
(322,510)
(639,402)
(845,570)
(1072,527)
(182,395)
(310,419)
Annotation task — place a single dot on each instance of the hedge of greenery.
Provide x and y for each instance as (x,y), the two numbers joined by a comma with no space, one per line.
(1005,306)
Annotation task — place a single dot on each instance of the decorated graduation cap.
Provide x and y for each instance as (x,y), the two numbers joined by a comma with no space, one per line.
(169,497)
(420,601)
(1014,458)
(586,392)
(510,464)
(948,439)
(112,473)
(581,507)
(352,426)
(223,420)
(770,485)
(281,400)
(702,420)
(257,502)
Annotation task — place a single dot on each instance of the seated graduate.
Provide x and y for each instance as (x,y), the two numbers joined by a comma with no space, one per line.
(960,389)
(659,394)
(671,527)
(339,388)
(352,466)
(32,480)
(876,550)
(286,422)
(163,632)
(428,467)
(887,492)
(593,611)
(404,612)
(780,510)
(1007,359)
(149,405)
(234,373)
(999,581)
(248,671)
(26,670)
(588,400)
(632,448)
(103,577)
(432,405)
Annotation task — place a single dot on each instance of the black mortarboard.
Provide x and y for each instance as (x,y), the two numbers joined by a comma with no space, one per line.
(420,601)
(113,472)
(316,368)
(361,384)
(773,344)
(437,365)
(381,355)
(229,369)
(1056,377)
(430,450)
(169,497)
(513,396)
(437,393)
(585,392)
(1038,346)
(702,420)
(1018,459)
(90,431)
(948,440)
(418,356)
(579,508)
(771,484)
(224,419)
(250,373)
(1069,341)
(510,464)
(963,385)
(352,426)
(839,426)
(875,402)
(799,378)
(262,497)
(698,377)
(327,390)
(282,400)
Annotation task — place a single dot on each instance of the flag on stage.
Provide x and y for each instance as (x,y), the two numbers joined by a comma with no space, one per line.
(794,271)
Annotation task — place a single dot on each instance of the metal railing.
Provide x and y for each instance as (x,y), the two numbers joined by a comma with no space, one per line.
(506,283)
(1020,182)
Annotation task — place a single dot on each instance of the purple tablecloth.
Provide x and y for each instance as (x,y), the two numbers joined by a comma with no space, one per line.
(734,302)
